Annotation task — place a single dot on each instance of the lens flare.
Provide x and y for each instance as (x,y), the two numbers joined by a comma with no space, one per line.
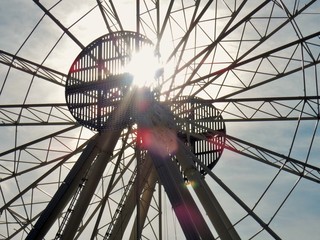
(160,141)
(190,184)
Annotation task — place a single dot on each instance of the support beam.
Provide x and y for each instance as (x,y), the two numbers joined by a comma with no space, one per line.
(189,216)
(158,122)
(145,201)
(211,205)
(122,220)
(263,224)
(103,143)
(103,201)
(64,193)
(106,144)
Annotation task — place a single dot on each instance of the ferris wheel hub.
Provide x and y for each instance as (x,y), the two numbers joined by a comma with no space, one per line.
(103,77)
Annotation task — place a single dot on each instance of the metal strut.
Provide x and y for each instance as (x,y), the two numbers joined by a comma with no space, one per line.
(95,158)
(121,203)
(127,207)
(159,121)
(70,209)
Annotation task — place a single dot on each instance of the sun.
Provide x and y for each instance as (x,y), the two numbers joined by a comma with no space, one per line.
(145,67)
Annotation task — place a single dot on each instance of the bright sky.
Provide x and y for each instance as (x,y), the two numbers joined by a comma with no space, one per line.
(233,69)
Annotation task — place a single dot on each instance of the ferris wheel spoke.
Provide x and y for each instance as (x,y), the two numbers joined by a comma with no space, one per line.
(35,115)
(37,182)
(185,38)
(260,109)
(268,109)
(21,227)
(14,159)
(193,23)
(33,68)
(49,136)
(61,160)
(239,60)
(59,24)
(207,50)
(261,154)
(280,64)
(110,15)
(274,59)
(164,23)
(199,59)
(274,159)
(147,14)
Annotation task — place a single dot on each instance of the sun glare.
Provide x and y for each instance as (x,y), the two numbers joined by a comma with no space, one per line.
(145,67)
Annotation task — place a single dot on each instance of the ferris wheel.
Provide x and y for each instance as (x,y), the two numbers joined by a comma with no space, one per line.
(159,119)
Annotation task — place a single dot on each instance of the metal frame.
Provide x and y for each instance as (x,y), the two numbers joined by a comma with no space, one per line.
(156,20)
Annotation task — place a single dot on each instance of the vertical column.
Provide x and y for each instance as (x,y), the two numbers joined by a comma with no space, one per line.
(106,144)
(211,205)
(158,121)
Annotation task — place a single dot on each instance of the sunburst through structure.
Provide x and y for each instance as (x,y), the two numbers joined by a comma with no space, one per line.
(159,119)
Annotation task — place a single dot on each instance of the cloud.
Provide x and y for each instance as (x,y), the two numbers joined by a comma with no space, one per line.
(11,24)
